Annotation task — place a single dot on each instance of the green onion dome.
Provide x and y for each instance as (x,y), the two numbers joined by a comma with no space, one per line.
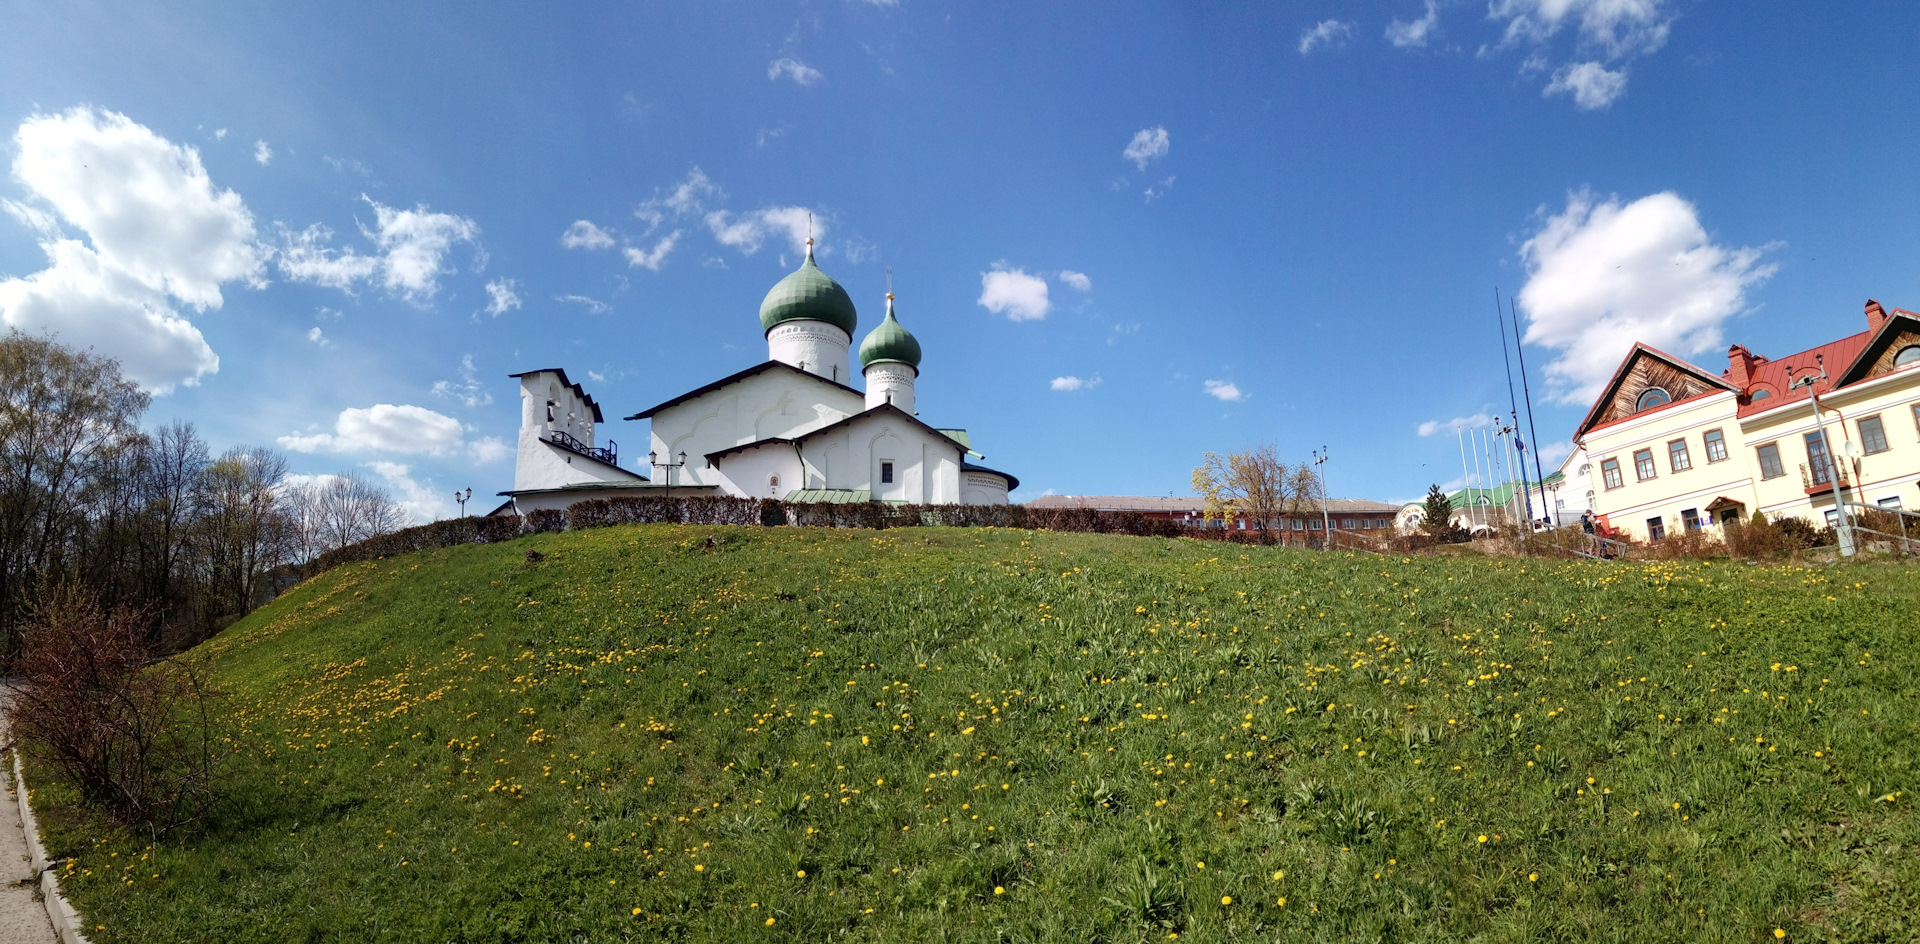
(807,294)
(890,342)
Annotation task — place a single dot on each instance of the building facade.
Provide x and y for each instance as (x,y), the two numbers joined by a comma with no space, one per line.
(790,427)
(1673,447)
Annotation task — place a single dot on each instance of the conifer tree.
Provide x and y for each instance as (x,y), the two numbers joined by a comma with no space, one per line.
(1438,513)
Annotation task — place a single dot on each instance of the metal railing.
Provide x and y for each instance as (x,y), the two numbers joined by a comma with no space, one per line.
(610,454)
(1907,523)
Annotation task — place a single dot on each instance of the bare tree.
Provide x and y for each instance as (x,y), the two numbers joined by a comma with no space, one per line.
(337,510)
(64,415)
(242,528)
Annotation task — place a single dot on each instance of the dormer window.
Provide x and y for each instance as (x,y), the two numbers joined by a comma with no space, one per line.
(1759,395)
(1654,396)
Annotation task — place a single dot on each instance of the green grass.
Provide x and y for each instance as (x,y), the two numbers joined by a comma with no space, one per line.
(981,735)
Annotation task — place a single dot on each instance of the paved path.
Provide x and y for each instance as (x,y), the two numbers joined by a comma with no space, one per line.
(23,918)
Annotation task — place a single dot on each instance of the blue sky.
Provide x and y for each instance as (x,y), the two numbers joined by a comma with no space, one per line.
(1125,233)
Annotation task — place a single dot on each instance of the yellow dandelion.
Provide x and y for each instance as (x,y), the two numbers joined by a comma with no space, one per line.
(999,889)
(769,922)
(636,912)
(800,874)
(1483,838)
(1533,876)
(1226,899)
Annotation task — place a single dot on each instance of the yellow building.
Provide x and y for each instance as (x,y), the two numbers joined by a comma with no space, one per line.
(1675,447)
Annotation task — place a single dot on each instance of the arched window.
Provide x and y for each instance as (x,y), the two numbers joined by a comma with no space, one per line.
(1908,355)
(1650,399)
(1759,395)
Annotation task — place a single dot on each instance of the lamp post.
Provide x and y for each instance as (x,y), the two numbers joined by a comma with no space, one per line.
(462,499)
(1326,519)
(1807,380)
(653,460)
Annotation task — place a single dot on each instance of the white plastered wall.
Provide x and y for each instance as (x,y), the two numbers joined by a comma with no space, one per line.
(546,406)
(813,346)
(983,488)
(772,404)
(890,382)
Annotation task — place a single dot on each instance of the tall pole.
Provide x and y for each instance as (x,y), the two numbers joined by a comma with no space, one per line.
(1527,390)
(1460,434)
(1513,409)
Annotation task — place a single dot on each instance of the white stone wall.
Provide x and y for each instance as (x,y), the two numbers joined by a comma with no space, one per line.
(983,488)
(770,471)
(775,403)
(547,406)
(813,346)
(890,382)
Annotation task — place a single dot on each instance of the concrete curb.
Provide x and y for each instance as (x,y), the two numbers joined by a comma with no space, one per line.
(66,921)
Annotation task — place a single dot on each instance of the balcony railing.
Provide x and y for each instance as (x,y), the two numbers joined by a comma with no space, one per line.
(1816,479)
(610,454)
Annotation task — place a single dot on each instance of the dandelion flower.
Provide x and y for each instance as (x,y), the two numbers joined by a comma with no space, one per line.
(636,912)
(1533,876)
(802,873)
(1483,837)
(999,889)
(1779,932)
(1226,899)
(769,922)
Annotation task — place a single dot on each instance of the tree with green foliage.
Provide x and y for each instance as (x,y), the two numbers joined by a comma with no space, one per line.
(1437,516)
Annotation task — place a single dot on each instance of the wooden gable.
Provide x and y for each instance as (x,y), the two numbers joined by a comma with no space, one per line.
(1643,370)
(1900,332)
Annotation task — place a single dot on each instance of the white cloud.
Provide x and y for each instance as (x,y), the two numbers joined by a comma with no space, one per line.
(415,242)
(487,449)
(220,134)
(413,246)
(1592,85)
(423,503)
(468,389)
(687,198)
(1157,191)
(305,256)
(155,229)
(1436,427)
(1618,28)
(1077,281)
(1014,293)
(1223,390)
(593,305)
(262,153)
(502,297)
(317,336)
(1409,34)
(1602,275)
(385,427)
(584,235)
(747,231)
(1553,453)
(652,259)
(794,69)
(1327,34)
(1073,384)
(1148,145)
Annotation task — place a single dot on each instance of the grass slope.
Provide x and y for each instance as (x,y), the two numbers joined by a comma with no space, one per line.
(984,735)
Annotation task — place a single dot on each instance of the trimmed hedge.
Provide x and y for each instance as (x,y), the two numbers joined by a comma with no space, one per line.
(607,512)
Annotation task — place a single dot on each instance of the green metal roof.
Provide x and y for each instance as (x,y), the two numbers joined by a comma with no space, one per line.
(807,294)
(841,496)
(890,342)
(960,436)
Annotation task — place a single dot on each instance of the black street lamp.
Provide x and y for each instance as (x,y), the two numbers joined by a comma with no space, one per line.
(462,499)
(653,460)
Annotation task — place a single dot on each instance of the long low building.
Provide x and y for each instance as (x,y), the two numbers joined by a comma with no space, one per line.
(1305,527)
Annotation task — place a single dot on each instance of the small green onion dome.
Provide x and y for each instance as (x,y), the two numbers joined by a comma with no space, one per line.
(807,294)
(890,342)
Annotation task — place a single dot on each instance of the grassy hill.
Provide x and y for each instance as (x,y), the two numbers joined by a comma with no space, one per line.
(707,734)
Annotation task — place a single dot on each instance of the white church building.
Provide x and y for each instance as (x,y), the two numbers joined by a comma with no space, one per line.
(791,428)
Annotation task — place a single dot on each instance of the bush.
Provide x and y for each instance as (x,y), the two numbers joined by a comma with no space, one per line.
(133,740)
